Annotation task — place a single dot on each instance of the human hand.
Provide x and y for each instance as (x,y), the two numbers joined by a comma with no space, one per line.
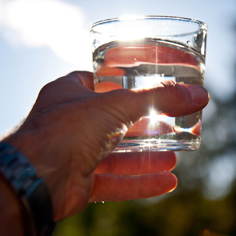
(71,129)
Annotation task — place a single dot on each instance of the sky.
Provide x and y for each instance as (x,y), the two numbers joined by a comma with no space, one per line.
(41,40)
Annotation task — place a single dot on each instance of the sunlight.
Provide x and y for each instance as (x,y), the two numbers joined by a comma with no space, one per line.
(31,23)
(153,116)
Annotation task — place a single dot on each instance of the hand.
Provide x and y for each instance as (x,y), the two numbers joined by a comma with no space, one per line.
(71,129)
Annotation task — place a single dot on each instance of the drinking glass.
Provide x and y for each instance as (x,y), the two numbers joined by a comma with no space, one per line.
(139,52)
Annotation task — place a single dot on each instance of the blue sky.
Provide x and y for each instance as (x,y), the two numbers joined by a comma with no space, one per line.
(41,40)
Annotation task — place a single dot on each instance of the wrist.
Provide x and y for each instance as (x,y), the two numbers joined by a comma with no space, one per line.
(29,188)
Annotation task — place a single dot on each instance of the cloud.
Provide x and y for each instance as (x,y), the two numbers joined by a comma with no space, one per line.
(53,24)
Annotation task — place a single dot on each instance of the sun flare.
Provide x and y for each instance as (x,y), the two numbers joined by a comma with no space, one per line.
(153,116)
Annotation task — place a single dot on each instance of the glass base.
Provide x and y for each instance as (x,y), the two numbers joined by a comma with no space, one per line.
(133,145)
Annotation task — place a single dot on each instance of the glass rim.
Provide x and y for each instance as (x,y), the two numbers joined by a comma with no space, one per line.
(145,17)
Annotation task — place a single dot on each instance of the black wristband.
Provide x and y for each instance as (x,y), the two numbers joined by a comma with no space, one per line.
(31,189)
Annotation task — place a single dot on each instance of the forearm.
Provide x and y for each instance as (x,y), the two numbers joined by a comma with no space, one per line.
(11,220)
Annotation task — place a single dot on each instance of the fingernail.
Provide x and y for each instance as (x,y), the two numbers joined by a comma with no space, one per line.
(198,94)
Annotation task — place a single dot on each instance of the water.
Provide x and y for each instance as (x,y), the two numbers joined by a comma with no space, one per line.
(143,63)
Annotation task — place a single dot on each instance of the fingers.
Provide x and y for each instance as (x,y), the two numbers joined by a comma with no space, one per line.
(109,187)
(137,163)
(107,86)
(126,56)
(125,176)
(147,127)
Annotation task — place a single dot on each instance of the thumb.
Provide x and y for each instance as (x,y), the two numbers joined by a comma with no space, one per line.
(168,97)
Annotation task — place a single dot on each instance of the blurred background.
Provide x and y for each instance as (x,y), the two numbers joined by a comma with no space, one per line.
(41,40)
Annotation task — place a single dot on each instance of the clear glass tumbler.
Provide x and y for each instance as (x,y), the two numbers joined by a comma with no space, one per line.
(138,52)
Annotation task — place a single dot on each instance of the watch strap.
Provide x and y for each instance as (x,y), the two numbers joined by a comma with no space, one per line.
(30,188)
